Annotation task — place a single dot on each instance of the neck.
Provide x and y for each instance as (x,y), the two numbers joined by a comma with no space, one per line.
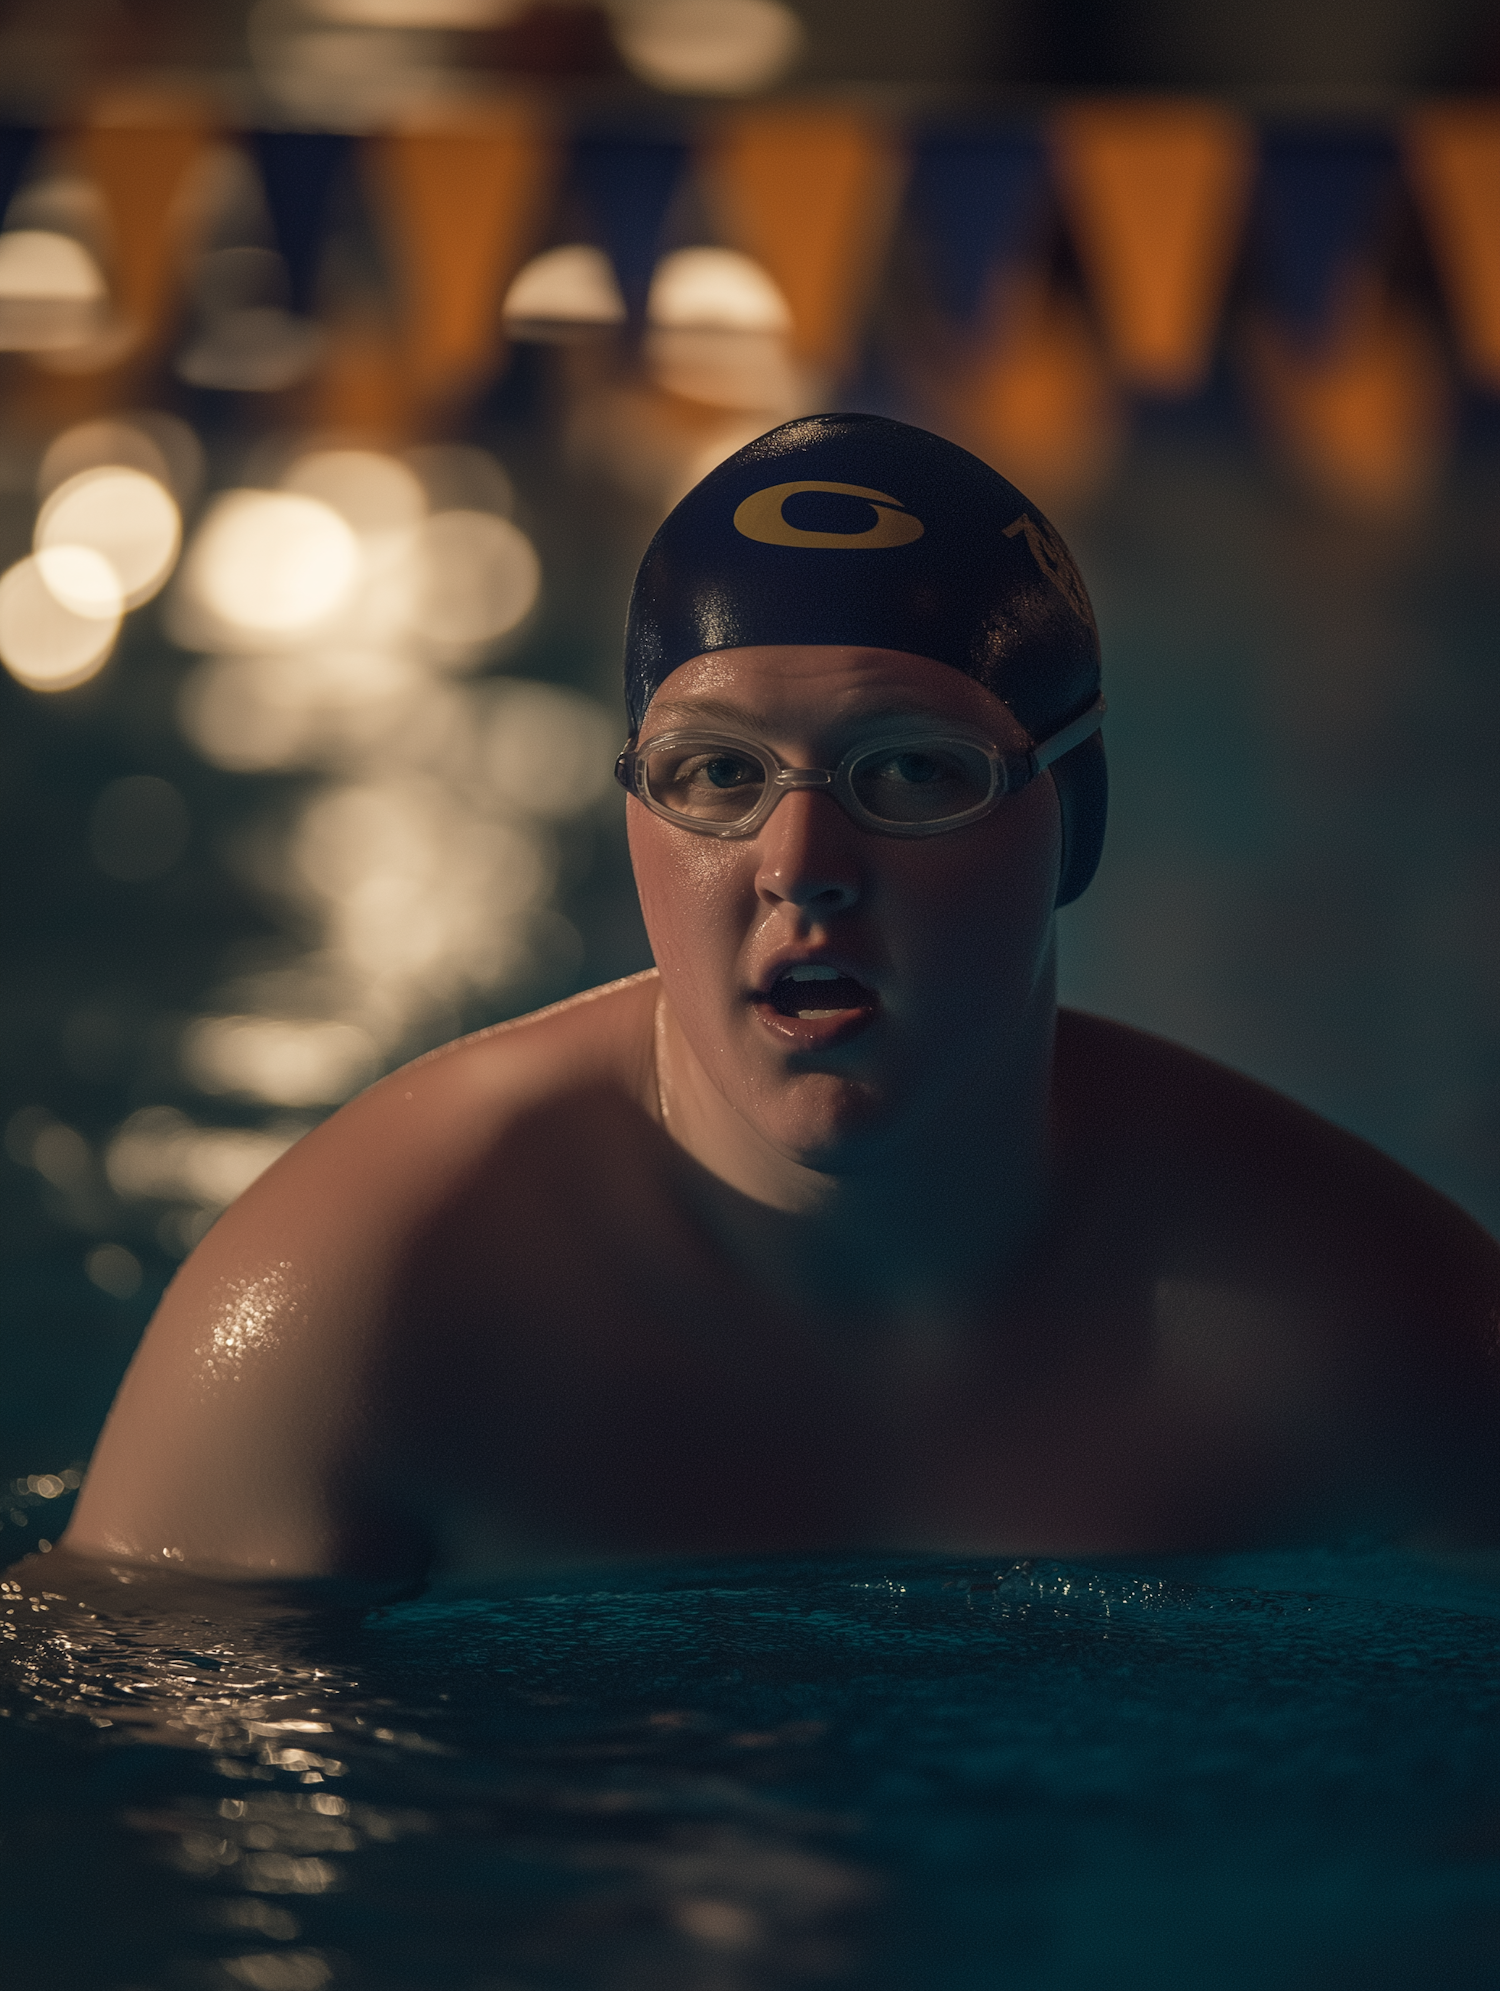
(941,1212)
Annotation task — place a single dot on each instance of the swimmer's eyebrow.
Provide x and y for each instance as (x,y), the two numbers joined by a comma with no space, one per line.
(736,715)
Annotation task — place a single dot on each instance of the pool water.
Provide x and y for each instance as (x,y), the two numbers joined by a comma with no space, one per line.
(1271,1770)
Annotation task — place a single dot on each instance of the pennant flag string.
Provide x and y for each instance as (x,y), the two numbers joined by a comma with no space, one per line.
(1163,201)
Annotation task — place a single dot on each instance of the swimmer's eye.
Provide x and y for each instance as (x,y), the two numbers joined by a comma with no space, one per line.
(725,772)
(712,784)
(922,783)
(918,769)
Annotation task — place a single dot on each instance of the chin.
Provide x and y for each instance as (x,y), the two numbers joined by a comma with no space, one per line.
(832,1125)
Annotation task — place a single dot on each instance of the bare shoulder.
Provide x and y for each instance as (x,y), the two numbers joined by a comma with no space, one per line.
(475,1085)
(1229,1178)
(381,1166)
(258,1427)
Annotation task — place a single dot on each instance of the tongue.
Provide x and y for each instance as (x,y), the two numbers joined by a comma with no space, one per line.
(791,998)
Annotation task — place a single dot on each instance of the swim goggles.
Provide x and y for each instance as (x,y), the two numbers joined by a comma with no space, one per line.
(917,784)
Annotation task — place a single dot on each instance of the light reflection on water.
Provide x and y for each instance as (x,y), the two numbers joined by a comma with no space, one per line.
(1278,1769)
(291,1779)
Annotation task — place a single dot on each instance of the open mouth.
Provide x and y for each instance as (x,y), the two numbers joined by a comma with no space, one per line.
(816,994)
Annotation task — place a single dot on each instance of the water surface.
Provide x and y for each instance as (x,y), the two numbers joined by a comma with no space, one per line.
(1253,1771)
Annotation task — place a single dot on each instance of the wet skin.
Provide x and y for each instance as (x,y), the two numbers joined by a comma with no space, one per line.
(670,1269)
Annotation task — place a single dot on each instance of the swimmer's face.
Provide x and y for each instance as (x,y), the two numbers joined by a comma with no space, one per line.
(835,984)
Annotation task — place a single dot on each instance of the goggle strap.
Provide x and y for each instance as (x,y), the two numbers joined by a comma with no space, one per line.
(1072,735)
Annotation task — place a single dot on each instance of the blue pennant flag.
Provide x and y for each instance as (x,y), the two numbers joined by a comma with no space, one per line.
(1319,202)
(628,185)
(298,169)
(16,144)
(976,198)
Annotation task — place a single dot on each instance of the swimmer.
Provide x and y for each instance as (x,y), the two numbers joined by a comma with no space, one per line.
(829,1232)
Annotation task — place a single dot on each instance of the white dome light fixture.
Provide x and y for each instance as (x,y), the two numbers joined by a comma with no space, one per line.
(719,333)
(716,289)
(52,293)
(574,285)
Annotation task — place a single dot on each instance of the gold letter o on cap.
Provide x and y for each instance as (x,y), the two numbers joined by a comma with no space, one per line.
(759,517)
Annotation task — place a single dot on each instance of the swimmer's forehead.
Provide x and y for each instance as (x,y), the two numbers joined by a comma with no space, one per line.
(824,687)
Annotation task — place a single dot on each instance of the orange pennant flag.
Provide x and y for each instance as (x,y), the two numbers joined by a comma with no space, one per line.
(810,193)
(360,389)
(1156,195)
(1031,393)
(1453,159)
(463,202)
(140,149)
(1364,419)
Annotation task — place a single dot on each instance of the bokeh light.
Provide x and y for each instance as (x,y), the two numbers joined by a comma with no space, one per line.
(82,580)
(59,1154)
(424,860)
(460,477)
(418,891)
(725,369)
(347,554)
(710,47)
(44,643)
(373,493)
(159,445)
(159,1154)
(718,334)
(284,1061)
(114,1270)
(300,709)
(37,264)
(344,73)
(547,751)
(474,578)
(574,285)
(122,515)
(265,564)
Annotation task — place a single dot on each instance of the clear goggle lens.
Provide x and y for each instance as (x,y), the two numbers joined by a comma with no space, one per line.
(922,781)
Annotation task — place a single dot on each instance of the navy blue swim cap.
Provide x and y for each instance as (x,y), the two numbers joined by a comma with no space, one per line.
(853,529)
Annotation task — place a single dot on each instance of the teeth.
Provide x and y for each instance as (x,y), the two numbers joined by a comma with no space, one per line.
(812,974)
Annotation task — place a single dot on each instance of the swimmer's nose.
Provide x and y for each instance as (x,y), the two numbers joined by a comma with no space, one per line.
(808,861)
